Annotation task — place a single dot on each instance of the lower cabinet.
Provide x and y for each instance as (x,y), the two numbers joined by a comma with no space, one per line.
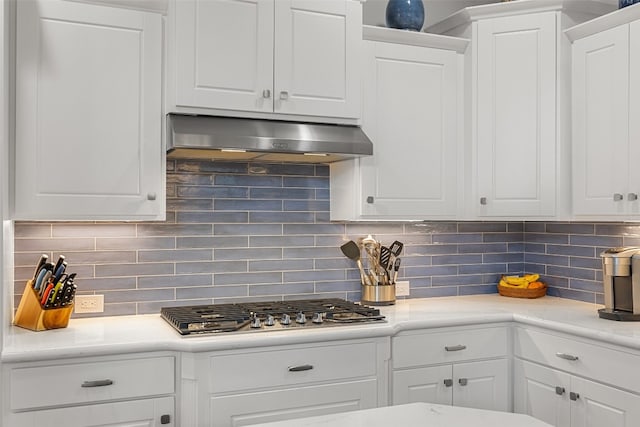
(128,390)
(481,385)
(564,400)
(243,387)
(461,367)
(137,413)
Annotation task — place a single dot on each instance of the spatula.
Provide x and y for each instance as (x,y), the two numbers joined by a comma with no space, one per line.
(352,251)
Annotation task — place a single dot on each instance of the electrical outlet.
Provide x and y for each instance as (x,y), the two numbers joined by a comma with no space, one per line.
(89,303)
(403,289)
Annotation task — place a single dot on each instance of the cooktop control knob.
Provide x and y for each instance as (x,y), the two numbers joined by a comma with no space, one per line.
(318,318)
(285,319)
(269,320)
(301,318)
(255,322)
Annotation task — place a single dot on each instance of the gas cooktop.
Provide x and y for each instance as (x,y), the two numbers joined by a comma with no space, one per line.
(268,316)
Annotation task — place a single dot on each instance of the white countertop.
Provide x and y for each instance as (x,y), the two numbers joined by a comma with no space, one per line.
(414,415)
(127,334)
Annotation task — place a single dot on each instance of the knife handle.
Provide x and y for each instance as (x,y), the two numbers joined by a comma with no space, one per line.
(96,383)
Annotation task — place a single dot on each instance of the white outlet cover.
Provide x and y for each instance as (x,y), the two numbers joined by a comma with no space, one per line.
(89,304)
(403,288)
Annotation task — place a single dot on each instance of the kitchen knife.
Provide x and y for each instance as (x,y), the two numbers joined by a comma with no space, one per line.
(41,262)
(59,263)
(58,272)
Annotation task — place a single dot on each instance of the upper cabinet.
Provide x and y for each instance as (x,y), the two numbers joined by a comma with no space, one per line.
(88,113)
(606,105)
(294,57)
(411,105)
(517,121)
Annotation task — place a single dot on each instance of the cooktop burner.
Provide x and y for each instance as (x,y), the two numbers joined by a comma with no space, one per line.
(266,316)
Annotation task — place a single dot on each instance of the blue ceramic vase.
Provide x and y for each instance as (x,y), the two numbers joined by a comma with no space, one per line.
(625,3)
(405,14)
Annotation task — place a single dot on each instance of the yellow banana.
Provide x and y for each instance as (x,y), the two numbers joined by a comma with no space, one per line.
(516,280)
(532,277)
(503,282)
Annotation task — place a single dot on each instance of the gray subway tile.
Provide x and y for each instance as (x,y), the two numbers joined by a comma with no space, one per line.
(457,238)
(558,239)
(313,229)
(578,273)
(107,243)
(617,229)
(306,205)
(175,255)
(212,242)
(247,205)
(247,278)
(247,253)
(482,248)
(444,291)
(57,244)
(571,250)
(456,259)
(593,263)
(502,237)
(211,267)
(534,227)
(31,230)
(175,281)
(547,259)
(150,269)
(608,241)
(94,230)
(189,205)
(482,268)
(213,192)
(282,217)
(281,193)
(97,257)
(432,227)
(138,295)
(477,289)
(313,275)
(248,181)
(247,229)
(212,292)
(463,279)
(571,228)
(281,265)
(280,241)
(316,252)
(210,166)
(150,230)
(482,227)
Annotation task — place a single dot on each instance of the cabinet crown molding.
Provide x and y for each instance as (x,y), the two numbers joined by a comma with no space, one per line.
(414,38)
(602,23)
(510,8)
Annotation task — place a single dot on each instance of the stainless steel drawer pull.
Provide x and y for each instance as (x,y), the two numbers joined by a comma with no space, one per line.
(559,391)
(448,382)
(462,381)
(566,356)
(455,347)
(300,368)
(617,197)
(284,95)
(370,199)
(266,93)
(632,197)
(151,196)
(574,396)
(97,383)
(483,200)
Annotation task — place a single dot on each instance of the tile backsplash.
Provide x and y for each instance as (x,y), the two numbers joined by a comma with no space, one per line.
(239,231)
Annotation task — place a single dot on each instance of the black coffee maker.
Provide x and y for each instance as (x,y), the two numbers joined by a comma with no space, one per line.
(621,279)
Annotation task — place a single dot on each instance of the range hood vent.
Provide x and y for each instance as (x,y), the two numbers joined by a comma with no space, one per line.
(228,138)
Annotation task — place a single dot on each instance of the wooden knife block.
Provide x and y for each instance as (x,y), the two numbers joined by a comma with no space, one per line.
(31,315)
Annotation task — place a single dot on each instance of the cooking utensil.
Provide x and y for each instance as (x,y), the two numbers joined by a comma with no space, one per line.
(396,248)
(352,251)
(396,267)
(385,257)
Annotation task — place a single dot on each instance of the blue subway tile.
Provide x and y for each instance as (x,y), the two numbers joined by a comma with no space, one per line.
(138,295)
(212,217)
(572,294)
(572,228)
(313,275)
(247,229)
(571,250)
(213,192)
(431,249)
(211,267)
(456,259)
(306,182)
(117,270)
(247,253)
(432,227)
(607,241)
(534,227)
(247,278)
(502,258)
(294,229)
(210,166)
(593,263)
(482,268)
(539,248)
(175,281)
(190,179)
(281,193)
(316,252)
(558,239)
(306,205)
(502,237)
(248,181)
(282,217)
(546,259)
(482,227)
(247,205)
(175,255)
(481,248)
(212,242)
(322,194)
(457,238)
(441,270)
(445,291)
(189,205)
(477,289)
(586,285)
(463,279)
(617,229)
(280,241)
(281,265)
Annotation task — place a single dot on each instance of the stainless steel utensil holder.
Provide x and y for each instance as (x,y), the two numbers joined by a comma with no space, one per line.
(378,294)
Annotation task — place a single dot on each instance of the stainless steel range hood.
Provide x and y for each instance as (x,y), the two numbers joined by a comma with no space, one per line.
(264,140)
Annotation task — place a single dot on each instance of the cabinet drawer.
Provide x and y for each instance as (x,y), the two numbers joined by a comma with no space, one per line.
(593,361)
(53,385)
(427,348)
(285,367)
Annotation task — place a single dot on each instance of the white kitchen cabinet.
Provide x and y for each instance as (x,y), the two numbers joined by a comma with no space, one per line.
(606,100)
(564,400)
(296,57)
(571,382)
(88,113)
(411,107)
(241,387)
(453,367)
(107,391)
(518,105)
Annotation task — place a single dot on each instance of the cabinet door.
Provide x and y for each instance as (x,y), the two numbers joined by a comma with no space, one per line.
(138,413)
(634,113)
(410,96)
(88,112)
(431,385)
(596,405)
(482,385)
(516,115)
(542,393)
(276,405)
(600,77)
(222,54)
(317,57)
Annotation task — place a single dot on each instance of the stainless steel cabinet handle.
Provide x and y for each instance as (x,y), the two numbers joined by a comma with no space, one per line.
(483,200)
(370,199)
(151,196)
(96,383)
(632,197)
(455,347)
(559,390)
(448,382)
(266,93)
(566,356)
(617,197)
(284,95)
(574,396)
(462,381)
(300,368)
